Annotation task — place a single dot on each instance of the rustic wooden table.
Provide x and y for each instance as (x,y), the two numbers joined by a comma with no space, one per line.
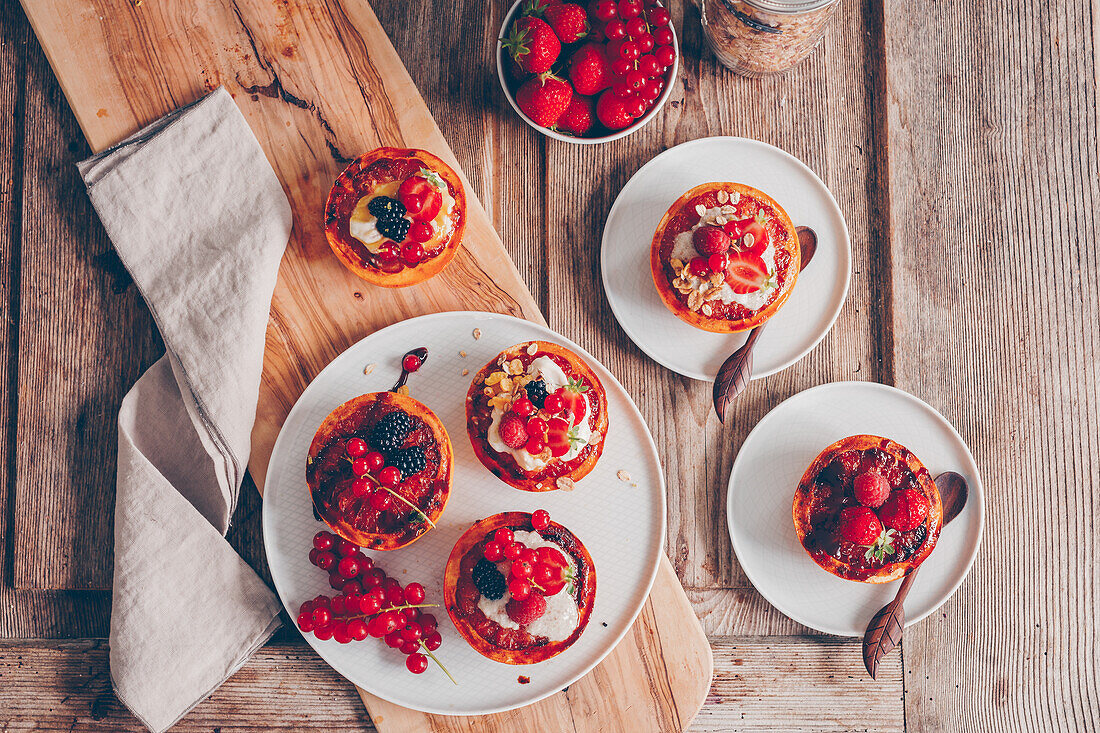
(960,139)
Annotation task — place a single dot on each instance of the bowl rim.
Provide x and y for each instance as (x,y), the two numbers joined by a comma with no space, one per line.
(618,134)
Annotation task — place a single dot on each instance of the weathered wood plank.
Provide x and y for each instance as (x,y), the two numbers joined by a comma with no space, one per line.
(994,187)
(85,336)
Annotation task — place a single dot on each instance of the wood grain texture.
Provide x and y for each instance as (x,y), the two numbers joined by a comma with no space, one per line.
(993,146)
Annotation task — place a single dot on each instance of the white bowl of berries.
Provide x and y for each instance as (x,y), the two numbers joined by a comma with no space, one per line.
(587,73)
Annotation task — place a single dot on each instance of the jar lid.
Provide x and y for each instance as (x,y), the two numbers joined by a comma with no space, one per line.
(789,6)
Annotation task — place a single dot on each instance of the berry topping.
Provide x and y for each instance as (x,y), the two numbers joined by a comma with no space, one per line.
(904,510)
(523,407)
(536,392)
(489,581)
(421,197)
(390,476)
(871,489)
(513,430)
(747,273)
(409,461)
(540,520)
(421,232)
(384,207)
(699,267)
(356,447)
(527,610)
(395,228)
(390,432)
(554,403)
(859,525)
(710,240)
(375,460)
(562,437)
(410,363)
(572,399)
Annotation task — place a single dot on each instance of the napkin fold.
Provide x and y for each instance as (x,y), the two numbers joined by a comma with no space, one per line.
(199,219)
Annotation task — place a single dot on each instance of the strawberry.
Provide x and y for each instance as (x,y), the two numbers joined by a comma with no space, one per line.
(904,510)
(544,98)
(513,430)
(536,7)
(738,229)
(525,611)
(859,525)
(871,489)
(589,69)
(533,45)
(572,400)
(611,111)
(578,117)
(561,437)
(709,240)
(746,272)
(569,21)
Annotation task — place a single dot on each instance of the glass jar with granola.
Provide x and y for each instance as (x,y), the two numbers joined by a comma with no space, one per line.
(763,37)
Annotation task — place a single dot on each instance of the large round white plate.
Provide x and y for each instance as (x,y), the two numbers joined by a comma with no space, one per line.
(622,523)
(814,303)
(761,493)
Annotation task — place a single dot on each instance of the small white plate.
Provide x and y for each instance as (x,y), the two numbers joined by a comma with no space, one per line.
(622,523)
(761,493)
(814,303)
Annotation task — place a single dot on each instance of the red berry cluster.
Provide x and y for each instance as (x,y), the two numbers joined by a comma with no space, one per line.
(422,201)
(589,71)
(369,604)
(541,571)
(535,429)
(902,510)
(734,250)
(376,479)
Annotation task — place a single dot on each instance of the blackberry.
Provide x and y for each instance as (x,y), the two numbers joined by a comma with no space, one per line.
(488,580)
(395,228)
(410,461)
(390,432)
(384,207)
(536,392)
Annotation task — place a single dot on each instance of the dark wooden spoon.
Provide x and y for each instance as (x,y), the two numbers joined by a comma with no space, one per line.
(736,371)
(884,631)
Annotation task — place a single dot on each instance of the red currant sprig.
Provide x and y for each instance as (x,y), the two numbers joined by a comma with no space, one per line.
(370,604)
(377,479)
(542,569)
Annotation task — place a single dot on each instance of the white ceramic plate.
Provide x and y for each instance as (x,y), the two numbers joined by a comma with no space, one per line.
(621,523)
(761,493)
(814,303)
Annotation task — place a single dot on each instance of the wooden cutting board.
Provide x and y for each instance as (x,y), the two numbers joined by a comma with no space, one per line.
(319,83)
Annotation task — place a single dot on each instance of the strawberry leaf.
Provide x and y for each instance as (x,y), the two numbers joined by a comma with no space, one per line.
(577,386)
(882,546)
(433,178)
(574,439)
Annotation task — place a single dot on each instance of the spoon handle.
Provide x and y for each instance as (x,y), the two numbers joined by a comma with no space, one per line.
(884,631)
(734,375)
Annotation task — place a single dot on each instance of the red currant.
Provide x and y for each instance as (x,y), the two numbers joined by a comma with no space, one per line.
(428,623)
(348,567)
(536,426)
(659,16)
(416,663)
(699,267)
(340,633)
(629,50)
(605,10)
(663,36)
(306,607)
(359,467)
(523,407)
(394,640)
(651,90)
(622,90)
(390,476)
(335,580)
(665,56)
(630,9)
(388,254)
(392,619)
(339,605)
(395,595)
(322,601)
(377,627)
(615,30)
(411,613)
(493,551)
(412,632)
(413,202)
(356,447)
(373,578)
(410,363)
(313,555)
(540,519)
(361,486)
(535,445)
(519,588)
(381,500)
(504,536)
(621,67)
(421,232)
(648,65)
(369,604)
(645,42)
(529,556)
(521,569)
(635,106)
(407,647)
(553,404)
(324,633)
(432,641)
(325,560)
(412,253)
(636,27)
(357,629)
(323,540)
(321,617)
(718,262)
(635,80)
(352,596)
(375,460)
(305,622)
(512,550)
(414,593)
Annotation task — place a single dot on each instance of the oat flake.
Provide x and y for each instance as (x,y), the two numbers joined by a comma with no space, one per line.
(369,368)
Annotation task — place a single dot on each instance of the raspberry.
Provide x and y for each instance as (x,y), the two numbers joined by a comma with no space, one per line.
(513,430)
(488,580)
(390,432)
(525,611)
(871,488)
(904,510)
(859,525)
(710,240)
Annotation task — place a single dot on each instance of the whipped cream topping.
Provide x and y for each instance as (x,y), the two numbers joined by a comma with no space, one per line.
(562,615)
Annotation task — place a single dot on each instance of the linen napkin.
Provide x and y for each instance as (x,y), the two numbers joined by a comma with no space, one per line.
(200,221)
